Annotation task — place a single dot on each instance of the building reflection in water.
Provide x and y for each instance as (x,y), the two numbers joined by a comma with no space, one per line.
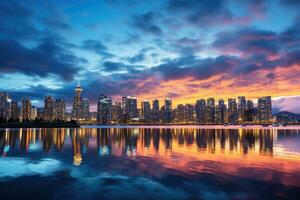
(135,142)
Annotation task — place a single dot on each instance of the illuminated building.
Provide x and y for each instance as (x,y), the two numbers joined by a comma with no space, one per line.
(15,114)
(104,110)
(250,112)
(220,112)
(60,109)
(241,108)
(5,105)
(179,113)
(146,111)
(116,113)
(26,109)
(167,111)
(130,110)
(33,113)
(200,111)
(189,113)
(232,111)
(264,112)
(76,110)
(155,111)
(85,106)
(49,108)
(210,111)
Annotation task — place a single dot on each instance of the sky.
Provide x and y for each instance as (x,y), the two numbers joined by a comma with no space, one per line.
(181,49)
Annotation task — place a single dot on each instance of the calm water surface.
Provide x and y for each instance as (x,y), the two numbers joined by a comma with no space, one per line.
(139,163)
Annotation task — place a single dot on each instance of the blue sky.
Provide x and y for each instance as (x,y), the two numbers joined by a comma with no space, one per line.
(183,49)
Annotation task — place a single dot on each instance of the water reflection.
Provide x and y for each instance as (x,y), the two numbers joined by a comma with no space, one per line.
(177,161)
(133,142)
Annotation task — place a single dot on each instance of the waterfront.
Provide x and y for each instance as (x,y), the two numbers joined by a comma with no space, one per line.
(150,163)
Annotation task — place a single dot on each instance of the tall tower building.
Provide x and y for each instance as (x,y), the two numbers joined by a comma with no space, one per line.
(15,114)
(168,111)
(220,114)
(33,113)
(116,113)
(5,105)
(242,105)
(104,110)
(85,106)
(76,111)
(232,111)
(210,114)
(60,109)
(264,106)
(49,106)
(155,111)
(26,109)
(200,111)
(146,111)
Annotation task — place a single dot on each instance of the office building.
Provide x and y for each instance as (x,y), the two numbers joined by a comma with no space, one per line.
(200,110)
(85,109)
(242,105)
(145,111)
(60,110)
(5,105)
(76,110)
(49,107)
(104,110)
(210,111)
(155,111)
(232,111)
(26,109)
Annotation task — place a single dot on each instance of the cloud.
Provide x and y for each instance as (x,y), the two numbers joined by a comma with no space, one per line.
(147,23)
(48,57)
(97,47)
(247,42)
(204,13)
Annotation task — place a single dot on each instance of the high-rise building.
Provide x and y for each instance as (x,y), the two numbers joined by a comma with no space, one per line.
(220,112)
(200,111)
(250,112)
(125,109)
(189,113)
(49,114)
(33,113)
(232,111)
(116,113)
(26,109)
(76,110)
(40,113)
(85,106)
(104,110)
(146,111)
(60,110)
(167,111)
(179,113)
(133,110)
(210,111)
(264,106)
(242,105)
(155,111)
(15,114)
(5,105)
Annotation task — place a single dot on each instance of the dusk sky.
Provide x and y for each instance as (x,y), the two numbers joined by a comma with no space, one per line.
(182,49)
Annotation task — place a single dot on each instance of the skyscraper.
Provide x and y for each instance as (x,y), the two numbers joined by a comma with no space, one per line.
(85,107)
(232,111)
(241,108)
(133,110)
(116,113)
(76,111)
(155,111)
(60,109)
(15,114)
(200,111)
(26,109)
(264,106)
(210,111)
(146,111)
(167,111)
(220,112)
(33,113)
(49,114)
(104,110)
(189,113)
(4,106)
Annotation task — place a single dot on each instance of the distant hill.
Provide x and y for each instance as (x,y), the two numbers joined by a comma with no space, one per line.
(288,116)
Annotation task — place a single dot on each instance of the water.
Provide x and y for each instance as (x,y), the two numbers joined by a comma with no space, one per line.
(149,163)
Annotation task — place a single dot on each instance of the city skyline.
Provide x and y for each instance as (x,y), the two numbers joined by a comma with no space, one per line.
(181,49)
